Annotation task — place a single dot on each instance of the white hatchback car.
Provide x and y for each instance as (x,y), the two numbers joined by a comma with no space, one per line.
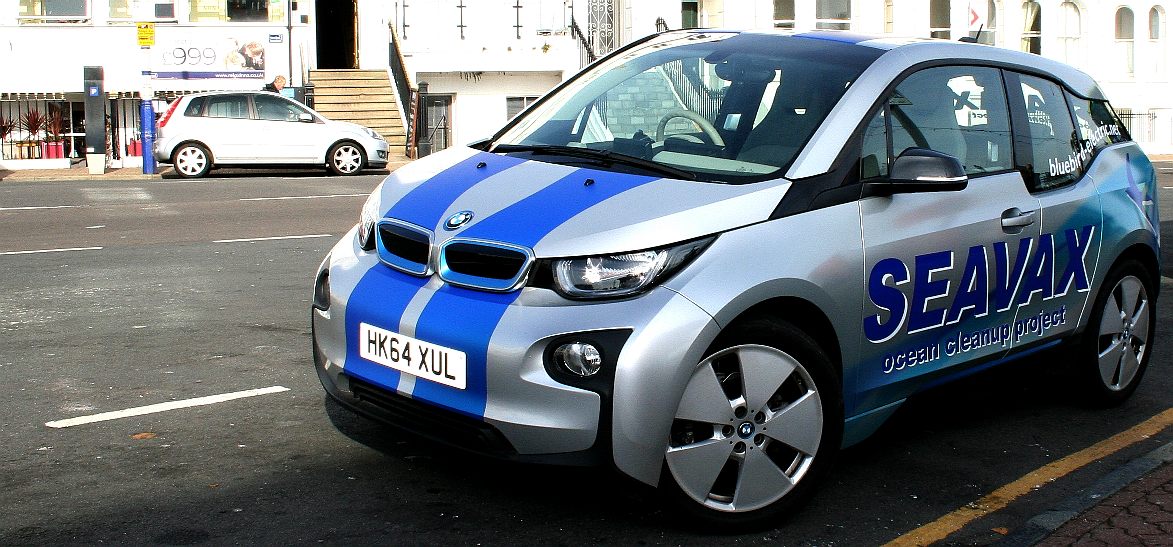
(253,129)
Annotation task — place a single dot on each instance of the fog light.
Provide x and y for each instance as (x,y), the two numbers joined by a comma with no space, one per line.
(580,358)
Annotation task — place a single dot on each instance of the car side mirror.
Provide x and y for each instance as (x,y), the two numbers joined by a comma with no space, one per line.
(305,118)
(920,170)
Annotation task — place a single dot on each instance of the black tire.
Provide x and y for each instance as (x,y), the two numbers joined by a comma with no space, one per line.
(746,362)
(1114,351)
(191,160)
(346,158)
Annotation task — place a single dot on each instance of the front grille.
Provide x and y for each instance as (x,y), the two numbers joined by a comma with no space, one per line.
(431,422)
(404,246)
(484,264)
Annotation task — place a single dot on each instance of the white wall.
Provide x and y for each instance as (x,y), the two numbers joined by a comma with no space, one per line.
(478,108)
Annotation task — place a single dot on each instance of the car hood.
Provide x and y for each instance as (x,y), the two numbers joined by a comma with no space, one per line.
(560,211)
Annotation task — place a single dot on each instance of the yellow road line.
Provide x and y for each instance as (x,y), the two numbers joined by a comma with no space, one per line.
(1000,498)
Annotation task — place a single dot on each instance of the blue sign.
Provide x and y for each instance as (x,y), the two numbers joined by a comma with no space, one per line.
(93,91)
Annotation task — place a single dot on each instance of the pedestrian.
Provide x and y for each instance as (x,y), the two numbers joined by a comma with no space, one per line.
(276,85)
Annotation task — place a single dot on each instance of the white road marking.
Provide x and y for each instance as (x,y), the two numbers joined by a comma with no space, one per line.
(40,207)
(163,407)
(246,240)
(38,251)
(280,198)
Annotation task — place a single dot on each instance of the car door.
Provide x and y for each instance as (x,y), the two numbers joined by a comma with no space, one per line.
(942,268)
(286,138)
(1057,281)
(226,128)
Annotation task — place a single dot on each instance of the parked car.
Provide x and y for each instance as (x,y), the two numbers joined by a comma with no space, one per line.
(202,131)
(714,258)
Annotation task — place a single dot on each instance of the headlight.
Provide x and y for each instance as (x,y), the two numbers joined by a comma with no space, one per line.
(367,219)
(623,274)
(374,134)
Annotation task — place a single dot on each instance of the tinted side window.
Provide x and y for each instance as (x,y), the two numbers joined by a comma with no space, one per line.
(273,108)
(958,110)
(228,106)
(1095,123)
(195,107)
(1056,157)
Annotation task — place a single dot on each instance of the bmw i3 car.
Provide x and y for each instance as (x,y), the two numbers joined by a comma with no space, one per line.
(713,259)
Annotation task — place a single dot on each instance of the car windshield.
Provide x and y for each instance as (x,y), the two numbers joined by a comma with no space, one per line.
(712,106)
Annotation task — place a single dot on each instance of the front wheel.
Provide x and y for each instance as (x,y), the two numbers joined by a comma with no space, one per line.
(1113,354)
(758,424)
(345,158)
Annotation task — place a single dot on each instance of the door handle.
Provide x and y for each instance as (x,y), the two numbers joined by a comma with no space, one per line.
(1015,219)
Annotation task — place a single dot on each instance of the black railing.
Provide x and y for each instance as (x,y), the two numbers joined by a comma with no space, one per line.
(661,25)
(1141,125)
(402,88)
(586,54)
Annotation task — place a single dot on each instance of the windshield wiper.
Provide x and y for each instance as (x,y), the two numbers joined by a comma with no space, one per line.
(605,156)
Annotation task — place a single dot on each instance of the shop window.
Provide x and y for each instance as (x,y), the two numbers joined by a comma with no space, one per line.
(1125,36)
(514,105)
(1032,29)
(234,11)
(1055,160)
(120,11)
(939,25)
(783,13)
(1070,31)
(833,14)
(53,11)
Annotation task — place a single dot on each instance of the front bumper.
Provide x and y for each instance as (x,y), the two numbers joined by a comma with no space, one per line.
(520,410)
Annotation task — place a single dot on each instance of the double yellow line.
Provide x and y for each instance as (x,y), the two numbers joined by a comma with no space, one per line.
(998,499)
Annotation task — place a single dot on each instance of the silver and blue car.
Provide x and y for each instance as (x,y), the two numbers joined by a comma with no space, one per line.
(712,259)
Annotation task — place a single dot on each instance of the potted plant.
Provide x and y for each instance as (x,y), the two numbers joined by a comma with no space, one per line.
(32,122)
(54,145)
(7,127)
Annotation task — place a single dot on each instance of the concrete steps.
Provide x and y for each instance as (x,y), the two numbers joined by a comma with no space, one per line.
(364,97)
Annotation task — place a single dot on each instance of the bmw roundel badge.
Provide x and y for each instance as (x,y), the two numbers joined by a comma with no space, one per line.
(457,220)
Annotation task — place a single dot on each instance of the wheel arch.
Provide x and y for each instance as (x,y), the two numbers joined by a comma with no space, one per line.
(803,314)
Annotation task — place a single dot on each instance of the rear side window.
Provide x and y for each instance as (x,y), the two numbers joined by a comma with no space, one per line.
(195,107)
(227,106)
(1056,158)
(1096,124)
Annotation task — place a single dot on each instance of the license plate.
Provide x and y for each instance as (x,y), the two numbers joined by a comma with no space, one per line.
(415,357)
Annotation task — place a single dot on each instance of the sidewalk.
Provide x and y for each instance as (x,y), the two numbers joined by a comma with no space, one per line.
(1132,505)
(79,171)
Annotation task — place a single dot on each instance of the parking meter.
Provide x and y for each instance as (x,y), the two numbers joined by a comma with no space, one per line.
(95,91)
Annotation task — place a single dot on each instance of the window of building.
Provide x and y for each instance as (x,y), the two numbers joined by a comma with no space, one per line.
(1125,35)
(120,11)
(889,17)
(1156,39)
(1052,134)
(989,33)
(53,11)
(783,13)
(957,110)
(1070,31)
(939,25)
(234,11)
(1032,30)
(690,14)
(833,14)
(514,105)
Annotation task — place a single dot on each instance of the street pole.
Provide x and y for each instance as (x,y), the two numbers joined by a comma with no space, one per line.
(146,42)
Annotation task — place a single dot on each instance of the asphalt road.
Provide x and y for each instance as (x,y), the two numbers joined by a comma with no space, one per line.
(160,301)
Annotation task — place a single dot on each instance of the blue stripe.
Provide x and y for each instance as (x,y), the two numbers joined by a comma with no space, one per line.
(425,203)
(463,319)
(379,299)
(533,218)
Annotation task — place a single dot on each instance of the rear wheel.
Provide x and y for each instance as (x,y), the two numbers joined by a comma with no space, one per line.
(346,158)
(1114,352)
(758,424)
(192,160)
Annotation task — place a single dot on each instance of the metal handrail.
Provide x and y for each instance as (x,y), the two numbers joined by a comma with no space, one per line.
(586,55)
